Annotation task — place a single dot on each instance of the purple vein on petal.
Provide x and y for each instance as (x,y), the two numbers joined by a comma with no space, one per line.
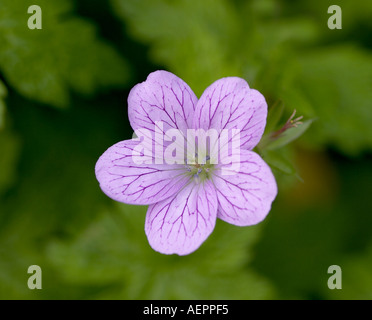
(125,181)
(180,224)
(245,197)
(229,103)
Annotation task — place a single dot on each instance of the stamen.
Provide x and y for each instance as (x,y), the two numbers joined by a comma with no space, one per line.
(200,171)
(291,123)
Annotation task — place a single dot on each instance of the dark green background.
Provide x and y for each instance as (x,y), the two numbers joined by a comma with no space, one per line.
(63,93)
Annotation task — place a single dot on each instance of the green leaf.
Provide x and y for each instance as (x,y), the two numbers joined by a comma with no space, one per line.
(65,54)
(279,162)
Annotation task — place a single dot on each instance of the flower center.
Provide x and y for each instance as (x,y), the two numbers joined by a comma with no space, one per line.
(200,171)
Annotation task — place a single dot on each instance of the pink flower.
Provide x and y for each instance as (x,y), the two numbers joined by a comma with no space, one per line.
(185,200)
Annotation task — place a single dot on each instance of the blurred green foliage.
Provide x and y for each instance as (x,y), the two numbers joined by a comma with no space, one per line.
(110,258)
(65,55)
(2,104)
(52,212)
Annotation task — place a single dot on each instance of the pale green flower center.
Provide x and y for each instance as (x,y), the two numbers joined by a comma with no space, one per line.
(201,171)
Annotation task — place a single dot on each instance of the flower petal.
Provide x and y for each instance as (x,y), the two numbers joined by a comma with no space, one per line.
(162,97)
(229,103)
(182,223)
(123,180)
(245,196)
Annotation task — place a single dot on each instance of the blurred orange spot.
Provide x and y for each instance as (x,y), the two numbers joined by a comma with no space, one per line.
(320,180)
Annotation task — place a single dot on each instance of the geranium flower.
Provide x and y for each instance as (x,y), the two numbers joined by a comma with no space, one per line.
(185,199)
